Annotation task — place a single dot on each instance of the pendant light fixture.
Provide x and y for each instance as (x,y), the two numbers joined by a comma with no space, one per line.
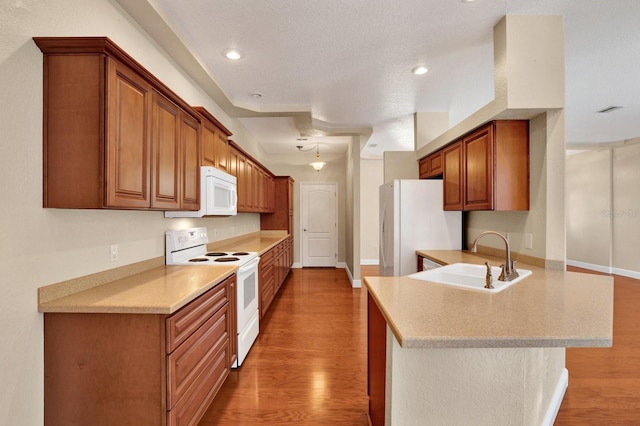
(317,165)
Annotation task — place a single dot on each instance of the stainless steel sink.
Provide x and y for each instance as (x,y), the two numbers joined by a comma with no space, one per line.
(468,275)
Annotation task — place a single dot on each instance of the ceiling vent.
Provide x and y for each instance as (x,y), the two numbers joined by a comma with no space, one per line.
(609,109)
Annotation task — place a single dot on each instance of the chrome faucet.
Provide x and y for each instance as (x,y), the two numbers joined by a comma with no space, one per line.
(509,268)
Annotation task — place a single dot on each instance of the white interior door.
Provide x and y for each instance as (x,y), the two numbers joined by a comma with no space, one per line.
(318,221)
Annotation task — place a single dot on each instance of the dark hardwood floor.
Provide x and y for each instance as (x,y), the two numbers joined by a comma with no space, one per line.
(308,366)
(604,383)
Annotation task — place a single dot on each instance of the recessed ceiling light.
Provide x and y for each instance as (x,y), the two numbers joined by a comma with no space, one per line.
(419,70)
(233,54)
(255,95)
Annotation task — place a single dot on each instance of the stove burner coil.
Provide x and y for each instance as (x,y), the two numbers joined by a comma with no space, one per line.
(240,253)
(227,259)
(216,254)
(199,259)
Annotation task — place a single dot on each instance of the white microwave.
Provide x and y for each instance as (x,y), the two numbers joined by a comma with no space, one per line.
(218,195)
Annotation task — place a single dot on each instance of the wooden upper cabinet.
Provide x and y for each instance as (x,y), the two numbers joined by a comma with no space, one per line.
(431,165)
(129,100)
(281,218)
(114,136)
(255,184)
(478,167)
(489,168)
(189,167)
(452,176)
(215,141)
(166,154)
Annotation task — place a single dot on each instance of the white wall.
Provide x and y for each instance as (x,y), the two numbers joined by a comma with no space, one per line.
(371,177)
(603,210)
(588,206)
(45,246)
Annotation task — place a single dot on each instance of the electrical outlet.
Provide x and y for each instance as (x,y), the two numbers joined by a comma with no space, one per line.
(528,241)
(113,252)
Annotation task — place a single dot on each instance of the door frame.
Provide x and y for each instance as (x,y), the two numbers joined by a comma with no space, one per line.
(301,212)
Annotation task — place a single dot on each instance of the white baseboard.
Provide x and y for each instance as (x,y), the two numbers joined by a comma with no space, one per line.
(341,265)
(296,265)
(605,269)
(354,283)
(626,273)
(590,266)
(556,399)
(369,261)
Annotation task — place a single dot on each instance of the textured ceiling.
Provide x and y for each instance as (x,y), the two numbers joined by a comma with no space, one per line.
(348,62)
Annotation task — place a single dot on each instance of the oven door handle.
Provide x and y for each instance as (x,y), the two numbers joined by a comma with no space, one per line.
(250,265)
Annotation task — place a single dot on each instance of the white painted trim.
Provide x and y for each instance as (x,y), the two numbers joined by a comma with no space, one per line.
(556,399)
(296,265)
(341,265)
(590,266)
(605,269)
(354,283)
(627,273)
(369,262)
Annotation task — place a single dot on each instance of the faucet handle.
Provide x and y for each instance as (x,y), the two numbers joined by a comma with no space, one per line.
(503,273)
(489,277)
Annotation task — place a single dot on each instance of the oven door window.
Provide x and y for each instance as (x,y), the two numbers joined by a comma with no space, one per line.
(249,285)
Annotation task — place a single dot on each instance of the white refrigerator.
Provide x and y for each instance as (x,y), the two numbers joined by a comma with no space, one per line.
(411,218)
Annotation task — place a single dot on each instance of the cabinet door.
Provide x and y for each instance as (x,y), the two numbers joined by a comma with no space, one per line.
(215,147)
(243,184)
(221,151)
(431,165)
(190,164)
(452,176)
(128,139)
(423,168)
(208,144)
(166,154)
(478,169)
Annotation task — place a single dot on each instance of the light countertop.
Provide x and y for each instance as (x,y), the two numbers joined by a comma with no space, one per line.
(547,309)
(260,242)
(160,290)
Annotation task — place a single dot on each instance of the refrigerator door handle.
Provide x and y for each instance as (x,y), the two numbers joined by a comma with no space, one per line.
(383,237)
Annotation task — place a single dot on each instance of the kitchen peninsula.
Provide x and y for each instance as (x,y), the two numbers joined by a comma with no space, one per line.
(445,355)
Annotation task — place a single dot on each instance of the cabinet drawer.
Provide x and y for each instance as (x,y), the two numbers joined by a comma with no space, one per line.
(190,409)
(266,258)
(188,361)
(187,320)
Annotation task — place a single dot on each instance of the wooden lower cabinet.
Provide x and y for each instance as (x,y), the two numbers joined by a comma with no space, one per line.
(376,362)
(275,265)
(137,369)
(266,281)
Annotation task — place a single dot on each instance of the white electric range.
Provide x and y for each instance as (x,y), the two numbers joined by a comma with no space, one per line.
(189,247)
